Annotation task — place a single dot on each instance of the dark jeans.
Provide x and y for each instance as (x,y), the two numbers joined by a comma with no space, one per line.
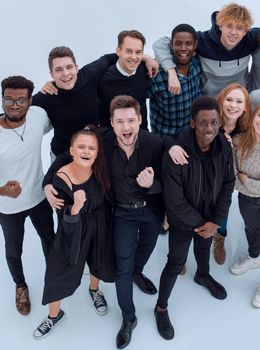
(179,243)
(135,234)
(13,229)
(250,210)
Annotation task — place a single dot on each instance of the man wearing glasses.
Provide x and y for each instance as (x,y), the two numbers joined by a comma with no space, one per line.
(21,194)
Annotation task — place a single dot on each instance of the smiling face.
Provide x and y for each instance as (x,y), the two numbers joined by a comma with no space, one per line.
(130,54)
(64,72)
(231,34)
(84,150)
(233,105)
(206,126)
(126,124)
(183,46)
(16,112)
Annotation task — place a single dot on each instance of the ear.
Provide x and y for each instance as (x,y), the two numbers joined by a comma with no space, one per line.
(192,123)
(77,68)
(140,119)
(111,121)
(118,51)
(30,101)
(71,151)
(196,44)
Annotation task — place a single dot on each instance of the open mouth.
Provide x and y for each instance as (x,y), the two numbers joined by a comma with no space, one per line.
(127,136)
(85,158)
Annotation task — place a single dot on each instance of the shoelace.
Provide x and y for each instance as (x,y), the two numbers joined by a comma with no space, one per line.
(244,259)
(98,298)
(47,324)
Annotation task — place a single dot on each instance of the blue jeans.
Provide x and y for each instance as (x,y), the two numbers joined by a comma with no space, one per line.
(135,232)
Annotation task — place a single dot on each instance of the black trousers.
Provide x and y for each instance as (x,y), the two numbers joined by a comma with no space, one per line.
(250,211)
(179,243)
(135,234)
(13,229)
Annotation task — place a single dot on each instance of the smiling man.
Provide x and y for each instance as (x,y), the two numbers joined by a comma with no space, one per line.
(197,198)
(127,76)
(169,114)
(22,130)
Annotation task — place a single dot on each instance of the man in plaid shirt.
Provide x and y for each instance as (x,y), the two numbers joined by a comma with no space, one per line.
(169,114)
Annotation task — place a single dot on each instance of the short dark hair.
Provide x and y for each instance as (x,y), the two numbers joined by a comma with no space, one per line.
(17,82)
(132,34)
(99,166)
(59,52)
(124,101)
(183,27)
(204,103)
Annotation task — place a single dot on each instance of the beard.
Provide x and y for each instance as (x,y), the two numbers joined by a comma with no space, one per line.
(15,119)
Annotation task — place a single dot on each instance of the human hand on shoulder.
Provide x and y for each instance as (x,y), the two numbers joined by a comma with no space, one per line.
(178,155)
(49,88)
(152,66)
(145,177)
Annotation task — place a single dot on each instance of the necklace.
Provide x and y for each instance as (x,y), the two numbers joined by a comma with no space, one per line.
(17,133)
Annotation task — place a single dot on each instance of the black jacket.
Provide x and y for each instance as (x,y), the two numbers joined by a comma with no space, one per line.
(182,184)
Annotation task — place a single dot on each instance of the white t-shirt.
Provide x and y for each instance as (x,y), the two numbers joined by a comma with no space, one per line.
(21,161)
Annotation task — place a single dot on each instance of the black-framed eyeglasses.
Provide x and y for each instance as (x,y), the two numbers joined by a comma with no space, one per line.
(21,102)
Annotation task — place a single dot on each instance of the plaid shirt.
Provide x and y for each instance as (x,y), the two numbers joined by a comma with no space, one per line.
(169,113)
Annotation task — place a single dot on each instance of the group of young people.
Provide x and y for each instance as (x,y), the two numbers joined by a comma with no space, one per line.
(112,182)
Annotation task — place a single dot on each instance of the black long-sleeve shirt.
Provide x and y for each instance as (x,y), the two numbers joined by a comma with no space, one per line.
(71,110)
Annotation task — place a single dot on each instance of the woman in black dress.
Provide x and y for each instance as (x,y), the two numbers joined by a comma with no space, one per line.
(83,233)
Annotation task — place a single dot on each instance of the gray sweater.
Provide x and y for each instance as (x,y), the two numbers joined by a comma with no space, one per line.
(251,167)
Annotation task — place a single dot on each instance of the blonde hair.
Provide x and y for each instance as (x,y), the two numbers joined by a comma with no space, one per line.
(243,120)
(234,12)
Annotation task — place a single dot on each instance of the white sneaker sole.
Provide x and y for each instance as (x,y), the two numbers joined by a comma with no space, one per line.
(47,334)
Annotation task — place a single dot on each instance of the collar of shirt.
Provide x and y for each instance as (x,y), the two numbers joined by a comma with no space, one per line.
(123,72)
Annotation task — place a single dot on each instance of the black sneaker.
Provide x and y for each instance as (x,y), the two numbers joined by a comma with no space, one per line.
(47,325)
(164,325)
(215,288)
(99,301)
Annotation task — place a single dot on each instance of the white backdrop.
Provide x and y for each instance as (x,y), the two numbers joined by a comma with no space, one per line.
(31,28)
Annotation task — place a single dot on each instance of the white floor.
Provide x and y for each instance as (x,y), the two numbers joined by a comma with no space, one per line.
(200,321)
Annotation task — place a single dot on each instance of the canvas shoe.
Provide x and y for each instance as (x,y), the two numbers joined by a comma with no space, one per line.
(47,325)
(244,264)
(99,301)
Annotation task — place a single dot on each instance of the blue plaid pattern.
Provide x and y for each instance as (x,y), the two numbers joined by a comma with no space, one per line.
(169,113)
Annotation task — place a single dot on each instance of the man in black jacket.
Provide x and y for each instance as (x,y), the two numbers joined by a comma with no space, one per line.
(197,198)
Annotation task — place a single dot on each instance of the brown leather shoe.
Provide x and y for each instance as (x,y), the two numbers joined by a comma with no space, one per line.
(22,299)
(219,249)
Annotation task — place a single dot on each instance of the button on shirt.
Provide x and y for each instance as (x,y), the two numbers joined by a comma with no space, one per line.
(124,173)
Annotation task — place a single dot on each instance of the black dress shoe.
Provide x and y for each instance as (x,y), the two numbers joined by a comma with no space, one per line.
(144,284)
(123,337)
(215,288)
(164,325)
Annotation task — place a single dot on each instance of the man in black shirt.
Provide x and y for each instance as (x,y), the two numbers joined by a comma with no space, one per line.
(135,173)
(127,76)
